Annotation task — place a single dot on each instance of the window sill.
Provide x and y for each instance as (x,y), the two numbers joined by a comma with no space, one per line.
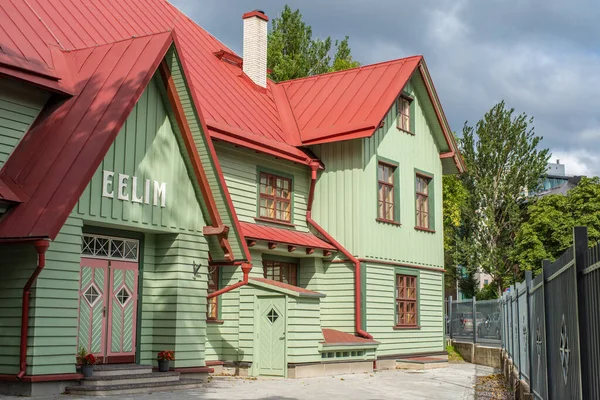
(274,221)
(405,131)
(418,228)
(215,321)
(402,328)
(387,221)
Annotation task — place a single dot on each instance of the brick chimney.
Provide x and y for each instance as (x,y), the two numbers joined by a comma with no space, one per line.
(255,46)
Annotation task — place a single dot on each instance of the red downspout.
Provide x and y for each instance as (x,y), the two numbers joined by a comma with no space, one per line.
(246,267)
(357,294)
(40,247)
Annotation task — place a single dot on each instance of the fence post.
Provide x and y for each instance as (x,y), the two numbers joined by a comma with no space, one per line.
(518,332)
(549,373)
(580,247)
(528,279)
(450,316)
(474,322)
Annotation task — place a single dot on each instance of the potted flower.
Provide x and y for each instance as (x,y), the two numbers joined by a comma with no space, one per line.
(164,360)
(87,361)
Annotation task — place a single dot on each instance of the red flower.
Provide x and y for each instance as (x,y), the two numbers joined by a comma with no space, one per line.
(88,360)
(166,355)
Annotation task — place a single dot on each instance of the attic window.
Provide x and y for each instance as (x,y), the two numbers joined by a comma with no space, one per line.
(405,116)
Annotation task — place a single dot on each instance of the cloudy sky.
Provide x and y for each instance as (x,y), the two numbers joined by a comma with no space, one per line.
(541,56)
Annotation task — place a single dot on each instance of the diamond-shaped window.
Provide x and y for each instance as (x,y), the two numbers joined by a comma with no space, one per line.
(123,295)
(91,295)
(272,315)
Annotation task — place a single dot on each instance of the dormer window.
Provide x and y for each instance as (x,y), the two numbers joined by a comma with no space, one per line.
(404,113)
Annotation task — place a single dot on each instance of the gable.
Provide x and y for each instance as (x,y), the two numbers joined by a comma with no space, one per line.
(143,181)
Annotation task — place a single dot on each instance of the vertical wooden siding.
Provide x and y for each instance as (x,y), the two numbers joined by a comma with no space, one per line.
(338,205)
(240,170)
(381,294)
(403,243)
(20,104)
(146,147)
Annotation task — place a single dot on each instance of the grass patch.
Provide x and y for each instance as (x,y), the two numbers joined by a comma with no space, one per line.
(453,355)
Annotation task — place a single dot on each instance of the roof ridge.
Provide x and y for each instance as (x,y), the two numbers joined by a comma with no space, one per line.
(95,46)
(404,59)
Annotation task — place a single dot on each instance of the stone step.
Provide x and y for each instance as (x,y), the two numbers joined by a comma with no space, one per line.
(119,390)
(111,380)
(121,369)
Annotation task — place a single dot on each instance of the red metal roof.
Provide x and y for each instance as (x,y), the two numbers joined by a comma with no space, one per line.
(347,104)
(284,236)
(284,286)
(70,138)
(24,50)
(276,120)
(333,336)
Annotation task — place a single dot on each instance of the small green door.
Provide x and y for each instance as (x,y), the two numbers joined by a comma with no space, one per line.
(271,335)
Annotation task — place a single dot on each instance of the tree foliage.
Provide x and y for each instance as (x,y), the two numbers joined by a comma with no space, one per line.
(454,196)
(548,230)
(293,53)
(503,163)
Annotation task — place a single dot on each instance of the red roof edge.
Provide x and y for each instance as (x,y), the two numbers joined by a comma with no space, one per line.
(287,286)
(213,153)
(57,80)
(259,143)
(335,337)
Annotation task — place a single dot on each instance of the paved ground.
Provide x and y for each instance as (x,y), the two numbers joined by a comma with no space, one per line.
(454,382)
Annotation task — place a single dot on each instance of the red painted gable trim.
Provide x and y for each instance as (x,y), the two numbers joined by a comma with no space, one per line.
(188,140)
(441,117)
(213,153)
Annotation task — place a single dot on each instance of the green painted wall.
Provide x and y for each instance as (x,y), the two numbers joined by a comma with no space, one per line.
(223,339)
(209,165)
(174,300)
(240,170)
(20,104)
(381,294)
(147,148)
(18,262)
(346,193)
(304,329)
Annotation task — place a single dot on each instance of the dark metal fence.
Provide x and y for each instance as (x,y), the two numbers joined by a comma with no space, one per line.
(550,325)
(475,321)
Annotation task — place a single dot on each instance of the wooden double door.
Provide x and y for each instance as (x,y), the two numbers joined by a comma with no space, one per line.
(108,309)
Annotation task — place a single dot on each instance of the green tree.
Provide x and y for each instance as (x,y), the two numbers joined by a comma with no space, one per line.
(293,53)
(503,163)
(548,229)
(454,196)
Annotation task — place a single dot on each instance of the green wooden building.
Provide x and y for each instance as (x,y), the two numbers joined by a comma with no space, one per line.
(158,192)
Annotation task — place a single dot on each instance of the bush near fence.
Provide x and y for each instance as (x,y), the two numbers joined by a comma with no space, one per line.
(550,325)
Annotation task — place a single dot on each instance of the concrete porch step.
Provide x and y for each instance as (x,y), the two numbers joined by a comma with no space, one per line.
(118,390)
(121,369)
(111,380)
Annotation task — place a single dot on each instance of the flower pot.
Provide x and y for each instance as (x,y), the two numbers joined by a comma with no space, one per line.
(163,365)
(87,370)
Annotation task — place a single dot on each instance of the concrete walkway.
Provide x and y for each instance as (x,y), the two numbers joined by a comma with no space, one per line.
(452,383)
